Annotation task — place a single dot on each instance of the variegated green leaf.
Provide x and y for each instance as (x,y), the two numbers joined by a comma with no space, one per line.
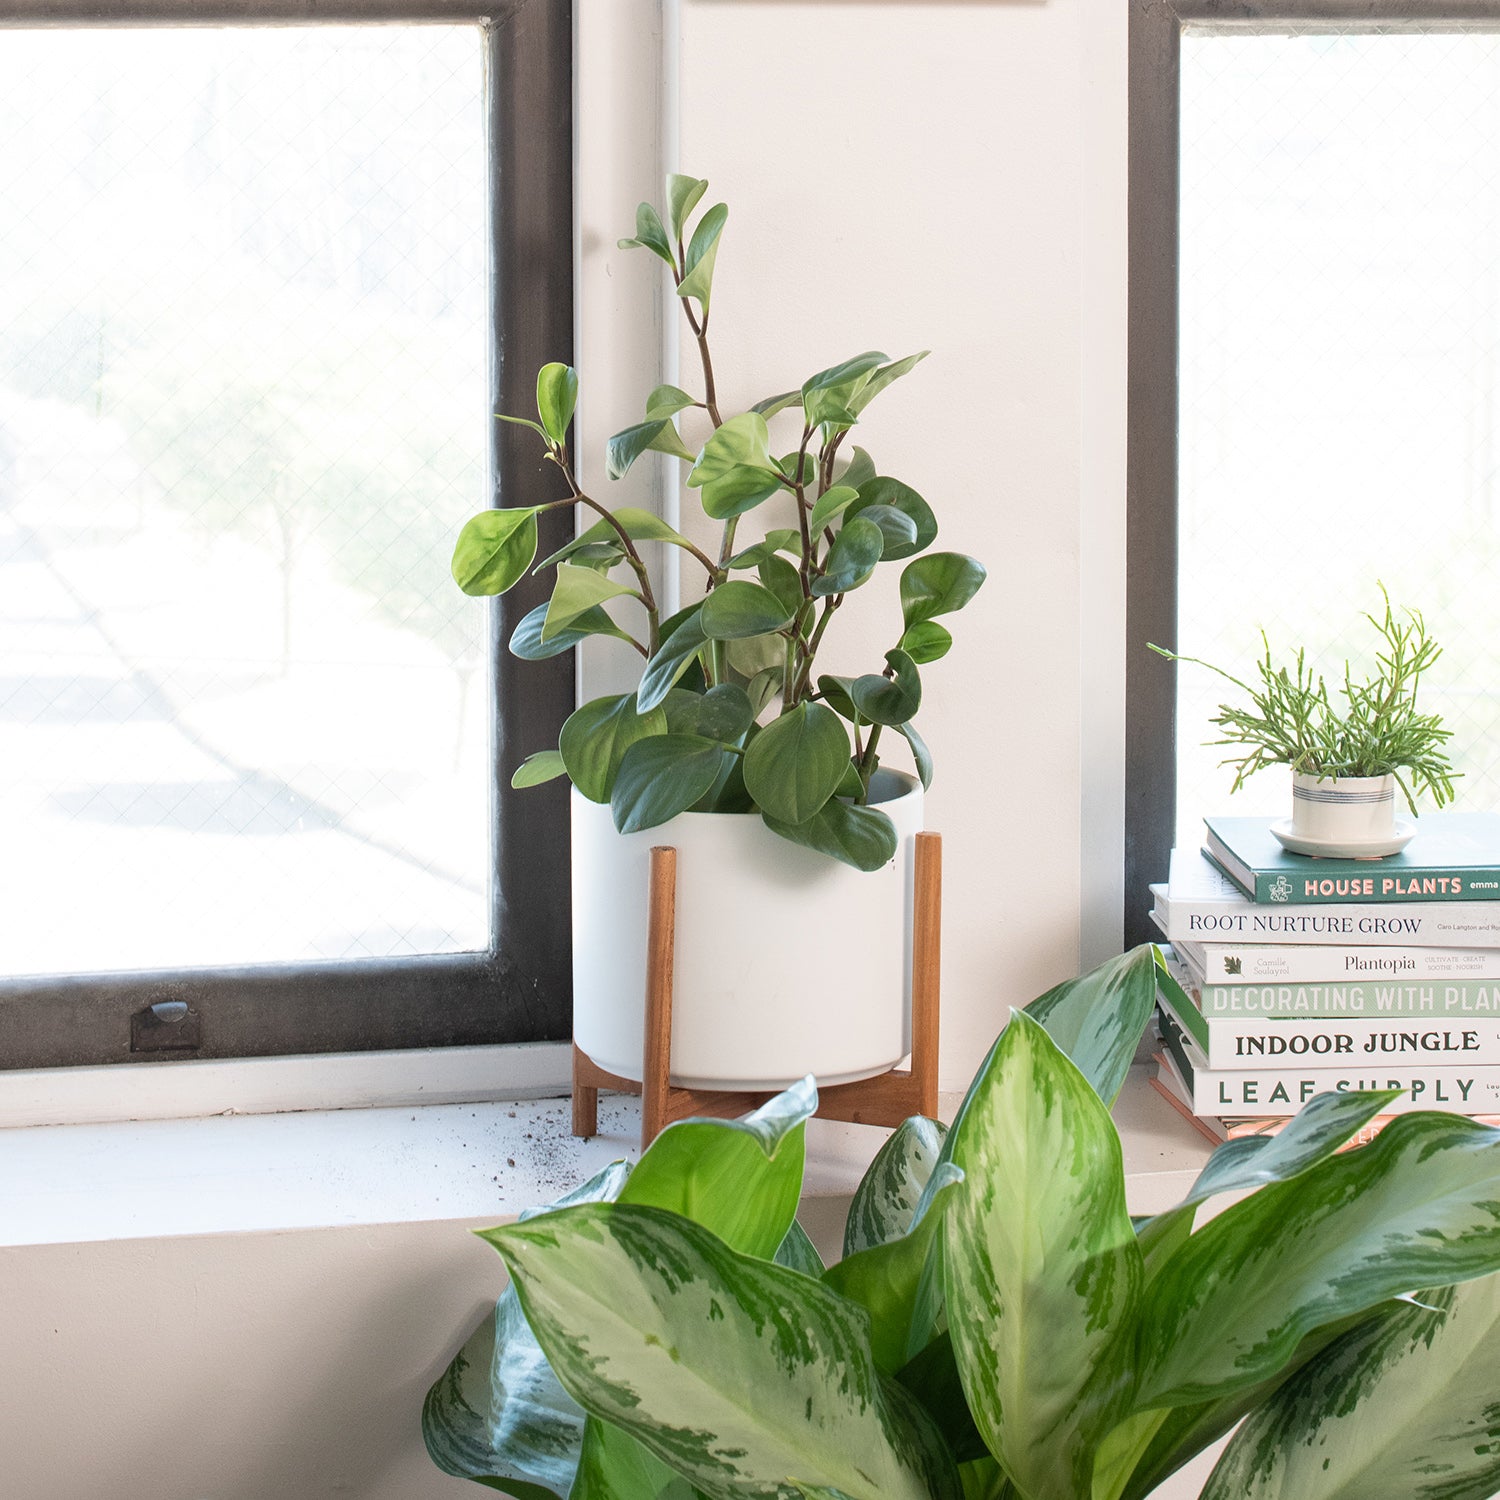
(1419,1203)
(896,1282)
(739,1374)
(885,1202)
(1325,1122)
(739,1178)
(798,1253)
(1153,1445)
(613,1466)
(1042,1273)
(1099,1018)
(498,1415)
(1408,1409)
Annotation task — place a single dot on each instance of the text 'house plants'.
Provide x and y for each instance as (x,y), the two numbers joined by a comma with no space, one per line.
(731,714)
(999,1327)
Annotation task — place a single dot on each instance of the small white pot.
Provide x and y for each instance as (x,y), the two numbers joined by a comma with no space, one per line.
(1354,810)
(787,962)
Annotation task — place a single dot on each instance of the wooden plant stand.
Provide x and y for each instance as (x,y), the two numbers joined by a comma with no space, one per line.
(886,1099)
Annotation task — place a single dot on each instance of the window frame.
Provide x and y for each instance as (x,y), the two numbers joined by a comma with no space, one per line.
(519,989)
(1156,28)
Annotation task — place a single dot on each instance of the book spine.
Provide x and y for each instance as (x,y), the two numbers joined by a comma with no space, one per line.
(1234,1042)
(1445,883)
(1221,1091)
(1465,1000)
(1254,963)
(1460,924)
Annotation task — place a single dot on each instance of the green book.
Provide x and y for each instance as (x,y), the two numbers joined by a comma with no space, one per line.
(1455,856)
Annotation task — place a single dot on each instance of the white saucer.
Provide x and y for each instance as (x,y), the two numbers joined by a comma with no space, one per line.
(1298,843)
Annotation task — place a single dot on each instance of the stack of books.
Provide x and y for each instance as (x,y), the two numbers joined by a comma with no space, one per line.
(1286,976)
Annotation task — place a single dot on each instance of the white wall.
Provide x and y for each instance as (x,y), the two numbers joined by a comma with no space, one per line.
(904,176)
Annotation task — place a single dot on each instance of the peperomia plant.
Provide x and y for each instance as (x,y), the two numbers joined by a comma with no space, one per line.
(731,714)
(999,1327)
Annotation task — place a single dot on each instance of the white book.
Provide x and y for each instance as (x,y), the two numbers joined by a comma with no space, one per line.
(1246,1092)
(1200,904)
(1319,963)
(1358,1042)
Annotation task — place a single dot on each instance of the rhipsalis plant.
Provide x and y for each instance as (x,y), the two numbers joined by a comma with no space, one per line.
(999,1327)
(1290,718)
(731,714)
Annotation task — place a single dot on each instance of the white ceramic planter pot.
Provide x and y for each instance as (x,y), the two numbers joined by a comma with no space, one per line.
(787,962)
(1354,810)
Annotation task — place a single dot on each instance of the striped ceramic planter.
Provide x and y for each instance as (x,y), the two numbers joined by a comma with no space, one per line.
(1344,809)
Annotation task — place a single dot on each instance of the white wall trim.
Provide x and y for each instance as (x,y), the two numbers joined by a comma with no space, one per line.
(268,1085)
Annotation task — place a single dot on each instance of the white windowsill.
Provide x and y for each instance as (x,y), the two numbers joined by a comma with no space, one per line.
(242,1173)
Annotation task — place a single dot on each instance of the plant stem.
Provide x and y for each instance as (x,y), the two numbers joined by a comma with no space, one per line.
(632,556)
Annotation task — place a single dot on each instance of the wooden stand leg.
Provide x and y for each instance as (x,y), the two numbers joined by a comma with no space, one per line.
(926,969)
(661,947)
(585,1098)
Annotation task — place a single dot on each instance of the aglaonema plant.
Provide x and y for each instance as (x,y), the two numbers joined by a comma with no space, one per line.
(731,714)
(999,1328)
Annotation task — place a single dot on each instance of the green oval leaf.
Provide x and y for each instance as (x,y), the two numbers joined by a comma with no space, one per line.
(638,525)
(738,491)
(891,493)
(740,608)
(859,471)
(702,252)
(926,641)
(922,759)
(898,529)
(779,540)
(852,558)
(676,653)
(661,777)
(835,691)
(723,713)
(889,700)
(683,194)
(595,737)
(667,401)
(938,584)
(494,550)
(782,578)
(527,643)
(742,441)
(862,837)
(830,505)
(656,435)
(881,378)
(556,398)
(545,765)
(650,234)
(794,765)
(576,591)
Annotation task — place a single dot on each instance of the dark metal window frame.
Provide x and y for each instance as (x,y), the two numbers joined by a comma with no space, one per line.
(520,989)
(1156,28)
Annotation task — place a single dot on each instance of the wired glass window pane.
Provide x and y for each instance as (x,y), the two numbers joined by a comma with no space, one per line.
(243,410)
(1340,344)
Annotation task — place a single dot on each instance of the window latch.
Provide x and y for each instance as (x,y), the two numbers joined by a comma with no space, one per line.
(167,1026)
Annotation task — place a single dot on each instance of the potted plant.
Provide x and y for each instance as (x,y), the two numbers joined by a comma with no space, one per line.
(999,1327)
(1346,759)
(764,772)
